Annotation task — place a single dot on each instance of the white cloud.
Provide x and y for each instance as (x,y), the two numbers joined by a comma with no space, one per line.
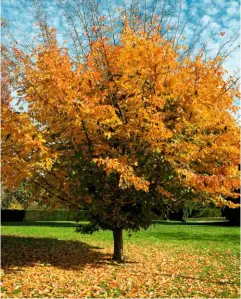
(184,5)
(233,63)
(233,8)
(225,19)
(215,25)
(232,24)
(212,10)
(206,19)
(219,3)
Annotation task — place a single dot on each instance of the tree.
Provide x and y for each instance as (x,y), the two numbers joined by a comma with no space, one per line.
(128,130)
(15,200)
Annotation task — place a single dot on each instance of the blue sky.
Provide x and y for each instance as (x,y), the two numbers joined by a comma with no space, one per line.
(221,14)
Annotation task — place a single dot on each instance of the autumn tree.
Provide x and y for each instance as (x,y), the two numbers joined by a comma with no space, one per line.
(128,130)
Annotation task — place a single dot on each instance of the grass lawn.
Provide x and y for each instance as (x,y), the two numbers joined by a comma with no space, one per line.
(170,259)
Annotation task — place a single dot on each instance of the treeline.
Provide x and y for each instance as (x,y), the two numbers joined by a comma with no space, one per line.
(68,215)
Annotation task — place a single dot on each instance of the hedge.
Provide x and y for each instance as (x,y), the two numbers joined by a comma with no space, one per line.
(206,212)
(183,214)
(54,215)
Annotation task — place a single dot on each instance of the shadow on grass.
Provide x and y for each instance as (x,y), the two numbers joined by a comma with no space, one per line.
(197,223)
(19,252)
(163,222)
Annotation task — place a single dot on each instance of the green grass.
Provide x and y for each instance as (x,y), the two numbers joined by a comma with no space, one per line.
(192,259)
(171,233)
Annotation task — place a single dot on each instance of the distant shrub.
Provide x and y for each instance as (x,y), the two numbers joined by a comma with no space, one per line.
(206,212)
(183,214)
(54,215)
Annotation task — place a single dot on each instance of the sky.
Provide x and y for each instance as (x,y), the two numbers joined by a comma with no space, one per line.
(221,14)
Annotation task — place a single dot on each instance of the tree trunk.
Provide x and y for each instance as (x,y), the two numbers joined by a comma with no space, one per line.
(118,245)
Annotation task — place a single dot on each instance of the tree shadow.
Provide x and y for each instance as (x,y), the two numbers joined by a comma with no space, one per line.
(163,222)
(197,223)
(19,252)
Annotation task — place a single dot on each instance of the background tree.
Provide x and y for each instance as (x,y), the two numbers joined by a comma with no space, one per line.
(15,200)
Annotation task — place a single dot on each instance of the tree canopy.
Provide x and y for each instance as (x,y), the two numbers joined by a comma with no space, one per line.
(133,127)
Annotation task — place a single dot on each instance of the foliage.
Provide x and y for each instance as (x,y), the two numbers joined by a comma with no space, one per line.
(9,202)
(131,129)
(15,200)
(52,261)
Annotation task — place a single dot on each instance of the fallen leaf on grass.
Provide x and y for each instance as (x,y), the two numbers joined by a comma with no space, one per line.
(151,272)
